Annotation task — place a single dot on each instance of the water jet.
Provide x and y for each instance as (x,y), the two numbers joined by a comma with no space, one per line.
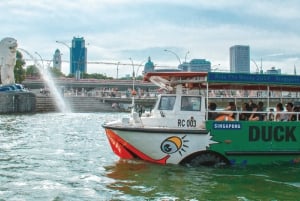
(46,75)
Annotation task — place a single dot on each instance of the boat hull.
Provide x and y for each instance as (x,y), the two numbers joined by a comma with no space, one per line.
(155,144)
(239,143)
(256,142)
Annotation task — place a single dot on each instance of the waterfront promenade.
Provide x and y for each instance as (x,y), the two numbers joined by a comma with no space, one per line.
(82,103)
(91,95)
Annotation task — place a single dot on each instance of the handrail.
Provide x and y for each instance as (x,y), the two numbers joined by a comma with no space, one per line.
(267,113)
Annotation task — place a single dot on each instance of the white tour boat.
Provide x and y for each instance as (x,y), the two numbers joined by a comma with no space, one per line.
(178,129)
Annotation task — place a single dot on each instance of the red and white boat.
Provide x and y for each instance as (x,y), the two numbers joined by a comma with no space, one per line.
(179,133)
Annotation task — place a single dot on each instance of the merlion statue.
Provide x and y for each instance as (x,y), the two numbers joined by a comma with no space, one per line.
(8,51)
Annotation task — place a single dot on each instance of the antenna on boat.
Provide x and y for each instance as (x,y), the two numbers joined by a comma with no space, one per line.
(133,92)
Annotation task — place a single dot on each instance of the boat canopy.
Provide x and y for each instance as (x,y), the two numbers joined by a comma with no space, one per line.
(220,80)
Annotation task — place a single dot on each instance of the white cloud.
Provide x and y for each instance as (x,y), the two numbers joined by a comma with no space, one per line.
(120,29)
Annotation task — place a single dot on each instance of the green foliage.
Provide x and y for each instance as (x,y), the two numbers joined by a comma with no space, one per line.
(140,77)
(70,76)
(96,76)
(19,70)
(92,76)
(32,70)
(56,72)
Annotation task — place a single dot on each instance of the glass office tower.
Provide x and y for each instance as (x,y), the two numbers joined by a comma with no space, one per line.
(78,57)
(240,59)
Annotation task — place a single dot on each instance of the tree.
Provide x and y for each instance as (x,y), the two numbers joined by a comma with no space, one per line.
(140,77)
(96,76)
(19,70)
(55,72)
(33,71)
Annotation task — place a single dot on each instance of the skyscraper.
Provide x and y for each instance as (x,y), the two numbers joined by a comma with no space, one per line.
(78,57)
(240,59)
(57,60)
(199,65)
(196,65)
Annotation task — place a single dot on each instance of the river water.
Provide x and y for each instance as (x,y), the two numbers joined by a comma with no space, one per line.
(66,157)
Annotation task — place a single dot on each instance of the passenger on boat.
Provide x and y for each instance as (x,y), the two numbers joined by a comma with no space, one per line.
(231,107)
(229,113)
(260,108)
(212,108)
(271,114)
(290,116)
(250,103)
(244,115)
(297,109)
(254,115)
(280,115)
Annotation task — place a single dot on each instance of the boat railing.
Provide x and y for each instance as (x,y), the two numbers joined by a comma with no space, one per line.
(268,115)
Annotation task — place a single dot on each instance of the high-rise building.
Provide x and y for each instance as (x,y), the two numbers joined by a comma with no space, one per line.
(273,70)
(57,60)
(184,66)
(196,65)
(201,65)
(78,57)
(240,59)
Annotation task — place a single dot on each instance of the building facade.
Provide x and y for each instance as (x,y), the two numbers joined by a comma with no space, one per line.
(78,57)
(184,66)
(240,59)
(149,66)
(196,65)
(273,70)
(199,65)
(57,60)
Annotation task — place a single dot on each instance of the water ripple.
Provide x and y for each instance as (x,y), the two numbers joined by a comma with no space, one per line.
(62,157)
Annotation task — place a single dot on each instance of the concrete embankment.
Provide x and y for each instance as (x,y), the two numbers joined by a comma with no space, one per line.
(17,102)
(89,103)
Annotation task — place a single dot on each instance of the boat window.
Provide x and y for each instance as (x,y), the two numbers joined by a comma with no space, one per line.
(166,103)
(190,103)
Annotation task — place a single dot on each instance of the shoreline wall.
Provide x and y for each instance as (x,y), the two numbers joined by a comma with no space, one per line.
(17,102)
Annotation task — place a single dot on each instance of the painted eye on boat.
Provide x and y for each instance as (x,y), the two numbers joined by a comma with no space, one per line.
(171,145)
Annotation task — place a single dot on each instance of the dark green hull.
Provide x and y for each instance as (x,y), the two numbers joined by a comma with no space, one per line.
(256,142)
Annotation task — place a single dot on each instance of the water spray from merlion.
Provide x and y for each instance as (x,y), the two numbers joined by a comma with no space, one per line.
(59,100)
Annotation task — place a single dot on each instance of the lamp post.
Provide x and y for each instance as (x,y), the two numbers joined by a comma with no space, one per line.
(133,93)
(166,50)
(40,58)
(65,44)
(69,48)
(140,65)
(133,73)
(257,68)
(118,70)
(215,69)
(186,56)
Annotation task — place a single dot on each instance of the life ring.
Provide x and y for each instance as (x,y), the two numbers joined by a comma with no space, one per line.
(224,117)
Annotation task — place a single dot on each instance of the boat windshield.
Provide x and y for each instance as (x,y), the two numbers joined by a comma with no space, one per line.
(190,103)
(167,103)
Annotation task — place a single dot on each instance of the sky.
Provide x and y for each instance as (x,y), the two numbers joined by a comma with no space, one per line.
(116,30)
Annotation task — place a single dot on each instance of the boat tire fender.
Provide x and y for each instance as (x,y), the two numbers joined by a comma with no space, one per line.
(205,158)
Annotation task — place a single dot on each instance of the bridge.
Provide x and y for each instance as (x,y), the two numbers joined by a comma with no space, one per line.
(89,84)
